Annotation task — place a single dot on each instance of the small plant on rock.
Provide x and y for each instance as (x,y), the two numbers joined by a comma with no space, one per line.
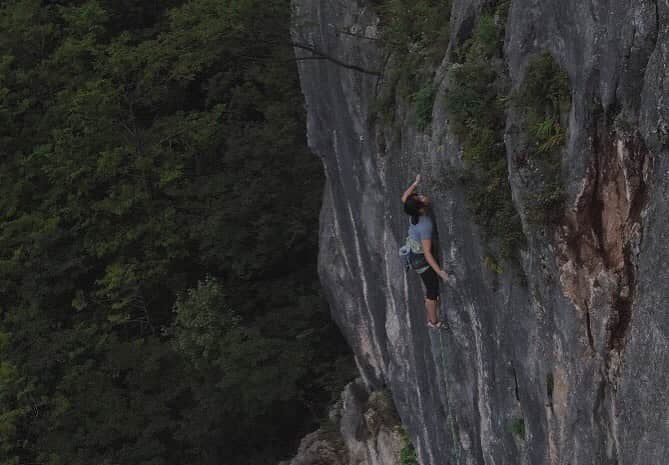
(517,427)
(423,103)
(408,452)
(543,99)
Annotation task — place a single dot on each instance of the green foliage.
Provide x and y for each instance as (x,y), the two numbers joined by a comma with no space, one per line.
(414,34)
(408,452)
(545,206)
(226,354)
(517,427)
(492,264)
(202,319)
(416,24)
(381,404)
(543,99)
(545,88)
(330,431)
(423,103)
(490,33)
(146,146)
(476,103)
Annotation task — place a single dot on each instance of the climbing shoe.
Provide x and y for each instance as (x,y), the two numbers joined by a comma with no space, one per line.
(437,325)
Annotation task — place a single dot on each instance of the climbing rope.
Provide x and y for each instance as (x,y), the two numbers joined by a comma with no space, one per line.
(451,422)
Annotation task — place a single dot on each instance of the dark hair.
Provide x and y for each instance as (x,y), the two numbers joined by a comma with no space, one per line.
(412,208)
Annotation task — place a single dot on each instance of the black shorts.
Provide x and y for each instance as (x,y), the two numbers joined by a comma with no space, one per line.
(431,281)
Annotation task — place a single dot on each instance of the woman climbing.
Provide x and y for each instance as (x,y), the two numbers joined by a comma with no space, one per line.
(420,243)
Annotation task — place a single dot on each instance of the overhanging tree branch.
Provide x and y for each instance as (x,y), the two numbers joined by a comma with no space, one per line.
(320,55)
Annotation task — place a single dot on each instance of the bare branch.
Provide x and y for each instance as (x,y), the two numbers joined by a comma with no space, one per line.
(320,54)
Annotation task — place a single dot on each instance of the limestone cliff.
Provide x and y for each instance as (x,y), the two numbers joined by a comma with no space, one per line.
(563,357)
(362,429)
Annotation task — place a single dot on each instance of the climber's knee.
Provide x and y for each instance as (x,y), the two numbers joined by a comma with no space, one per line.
(432,293)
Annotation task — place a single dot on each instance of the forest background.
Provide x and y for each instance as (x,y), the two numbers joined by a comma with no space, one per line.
(159,302)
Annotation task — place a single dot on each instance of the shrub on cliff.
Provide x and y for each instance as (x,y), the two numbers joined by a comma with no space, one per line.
(424,101)
(475,102)
(408,452)
(414,35)
(542,101)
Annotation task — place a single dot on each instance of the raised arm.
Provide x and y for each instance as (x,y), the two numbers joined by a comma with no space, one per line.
(410,189)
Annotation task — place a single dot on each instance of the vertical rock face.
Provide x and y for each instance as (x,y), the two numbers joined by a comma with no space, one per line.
(568,365)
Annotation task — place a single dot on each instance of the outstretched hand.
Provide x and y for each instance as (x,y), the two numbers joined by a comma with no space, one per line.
(411,189)
(444,275)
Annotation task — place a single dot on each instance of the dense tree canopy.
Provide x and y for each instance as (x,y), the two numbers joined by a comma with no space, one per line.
(158,294)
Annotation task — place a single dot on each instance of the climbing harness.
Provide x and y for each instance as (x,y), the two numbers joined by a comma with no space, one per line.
(412,255)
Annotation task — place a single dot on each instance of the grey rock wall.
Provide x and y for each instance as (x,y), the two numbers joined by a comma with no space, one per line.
(579,350)
(363,429)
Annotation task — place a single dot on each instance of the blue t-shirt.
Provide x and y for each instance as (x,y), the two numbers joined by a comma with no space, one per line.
(421,230)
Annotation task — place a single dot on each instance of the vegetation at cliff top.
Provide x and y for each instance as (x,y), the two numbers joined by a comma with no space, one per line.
(476,102)
(158,290)
(414,36)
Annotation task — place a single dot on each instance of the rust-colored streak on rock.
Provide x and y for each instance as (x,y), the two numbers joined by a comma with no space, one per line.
(600,235)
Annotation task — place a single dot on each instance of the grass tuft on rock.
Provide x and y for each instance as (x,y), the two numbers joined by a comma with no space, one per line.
(423,103)
(543,100)
(408,452)
(476,102)
(517,427)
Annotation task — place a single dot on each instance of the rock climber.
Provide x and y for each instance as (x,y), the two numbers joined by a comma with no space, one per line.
(420,244)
